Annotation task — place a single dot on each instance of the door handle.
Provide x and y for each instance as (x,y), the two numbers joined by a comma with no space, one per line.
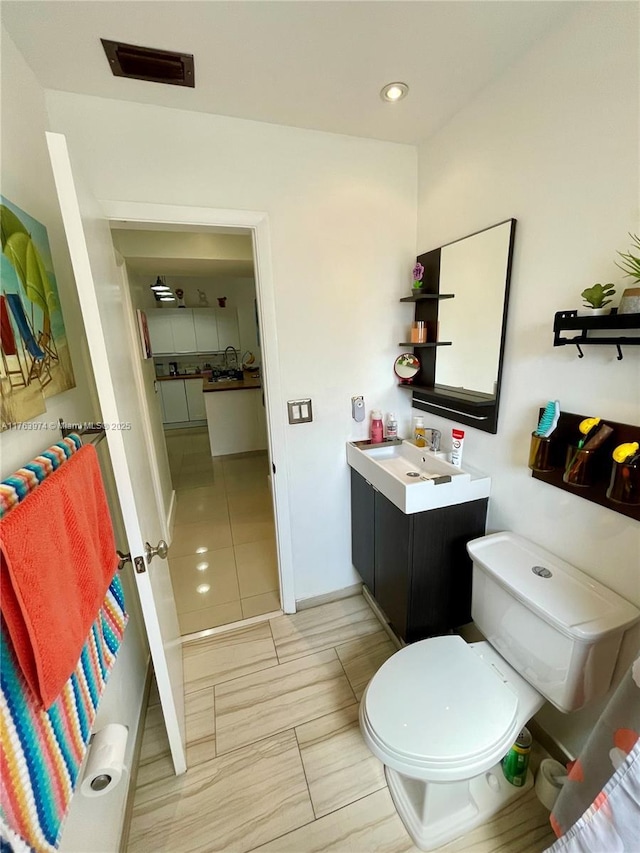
(161,550)
(123,559)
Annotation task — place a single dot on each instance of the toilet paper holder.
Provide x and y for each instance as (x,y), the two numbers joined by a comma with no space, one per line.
(104,766)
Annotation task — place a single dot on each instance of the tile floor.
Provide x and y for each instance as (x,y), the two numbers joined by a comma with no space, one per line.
(276,759)
(223,553)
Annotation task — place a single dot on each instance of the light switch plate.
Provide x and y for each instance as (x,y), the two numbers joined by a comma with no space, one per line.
(357,408)
(300,411)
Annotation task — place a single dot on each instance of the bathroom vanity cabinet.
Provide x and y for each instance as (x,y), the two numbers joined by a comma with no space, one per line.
(415,565)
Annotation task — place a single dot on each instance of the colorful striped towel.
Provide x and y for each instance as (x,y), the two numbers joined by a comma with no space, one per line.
(41,752)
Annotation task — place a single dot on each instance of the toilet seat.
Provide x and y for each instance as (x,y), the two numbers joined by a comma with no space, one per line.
(441,710)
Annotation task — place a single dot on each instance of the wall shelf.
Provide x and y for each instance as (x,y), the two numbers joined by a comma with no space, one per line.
(568,321)
(418,297)
(425,344)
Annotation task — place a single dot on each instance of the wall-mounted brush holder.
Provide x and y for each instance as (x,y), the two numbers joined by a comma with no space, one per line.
(579,466)
(541,453)
(624,486)
(597,478)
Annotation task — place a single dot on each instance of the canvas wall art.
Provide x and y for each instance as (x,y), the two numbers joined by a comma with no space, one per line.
(36,363)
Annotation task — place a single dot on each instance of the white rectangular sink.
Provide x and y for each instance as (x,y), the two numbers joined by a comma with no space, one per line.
(414,478)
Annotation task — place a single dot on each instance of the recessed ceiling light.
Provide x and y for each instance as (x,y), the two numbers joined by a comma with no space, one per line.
(203,588)
(393,92)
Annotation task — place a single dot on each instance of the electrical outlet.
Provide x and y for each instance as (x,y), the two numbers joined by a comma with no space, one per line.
(357,408)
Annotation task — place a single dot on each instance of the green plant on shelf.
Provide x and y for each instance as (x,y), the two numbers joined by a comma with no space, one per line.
(597,296)
(631,263)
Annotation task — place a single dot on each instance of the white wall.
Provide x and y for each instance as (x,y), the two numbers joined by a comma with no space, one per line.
(554,143)
(93,825)
(342,214)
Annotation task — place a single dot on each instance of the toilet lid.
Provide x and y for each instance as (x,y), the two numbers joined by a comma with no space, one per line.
(436,701)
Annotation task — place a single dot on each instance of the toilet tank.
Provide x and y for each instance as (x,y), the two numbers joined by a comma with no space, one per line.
(559,628)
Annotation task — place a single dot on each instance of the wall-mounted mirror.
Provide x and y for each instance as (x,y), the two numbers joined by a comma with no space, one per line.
(464,300)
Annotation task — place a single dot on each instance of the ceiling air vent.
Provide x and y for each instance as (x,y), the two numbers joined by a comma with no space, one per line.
(147,63)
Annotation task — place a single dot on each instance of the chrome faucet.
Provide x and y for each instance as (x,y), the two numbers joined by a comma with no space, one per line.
(226,355)
(433,439)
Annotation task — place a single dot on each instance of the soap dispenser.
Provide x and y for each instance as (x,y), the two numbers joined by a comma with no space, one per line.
(419,433)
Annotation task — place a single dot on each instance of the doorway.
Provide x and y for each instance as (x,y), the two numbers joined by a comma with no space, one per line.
(226,554)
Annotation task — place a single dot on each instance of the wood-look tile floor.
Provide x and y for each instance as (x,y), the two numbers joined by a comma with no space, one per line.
(276,759)
(222,557)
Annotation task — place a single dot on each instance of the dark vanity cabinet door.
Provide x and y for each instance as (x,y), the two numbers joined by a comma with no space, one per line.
(416,566)
(441,568)
(362,535)
(393,549)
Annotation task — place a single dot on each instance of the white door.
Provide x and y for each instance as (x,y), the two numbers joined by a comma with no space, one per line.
(99,292)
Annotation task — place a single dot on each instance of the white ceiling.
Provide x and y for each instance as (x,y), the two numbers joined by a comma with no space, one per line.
(316,64)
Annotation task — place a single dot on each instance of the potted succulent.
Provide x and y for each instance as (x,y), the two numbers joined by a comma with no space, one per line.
(630,302)
(630,262)
(596,297)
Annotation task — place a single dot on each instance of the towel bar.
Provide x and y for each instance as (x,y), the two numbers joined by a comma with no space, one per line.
(85,429)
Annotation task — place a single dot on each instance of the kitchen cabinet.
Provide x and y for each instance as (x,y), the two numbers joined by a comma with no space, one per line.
(174,401)
(206,329)
(184,333)
(228,331)
(160,332)
(416,566)
(195,399)
(190,330)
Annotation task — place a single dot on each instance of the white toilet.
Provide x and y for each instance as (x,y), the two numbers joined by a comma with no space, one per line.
(441,713)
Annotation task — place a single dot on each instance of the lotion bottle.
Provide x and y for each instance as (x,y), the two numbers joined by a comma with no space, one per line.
(376,427)
(392,426)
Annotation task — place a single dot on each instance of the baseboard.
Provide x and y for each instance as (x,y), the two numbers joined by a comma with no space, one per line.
(135,761)
(328,597)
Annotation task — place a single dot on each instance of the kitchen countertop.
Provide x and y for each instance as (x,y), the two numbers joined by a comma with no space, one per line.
(181,376)
(251,380)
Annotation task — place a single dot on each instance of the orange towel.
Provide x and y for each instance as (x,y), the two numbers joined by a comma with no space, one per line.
(58,556)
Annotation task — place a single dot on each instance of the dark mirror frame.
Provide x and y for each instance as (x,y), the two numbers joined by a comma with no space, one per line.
(457,404)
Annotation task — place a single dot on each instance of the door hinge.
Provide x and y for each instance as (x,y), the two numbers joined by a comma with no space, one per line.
(139,564)
(273,467)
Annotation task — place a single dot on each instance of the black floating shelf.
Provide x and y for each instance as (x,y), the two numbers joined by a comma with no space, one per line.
(460,396)
(418,297)
(568,321)
(426,344)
